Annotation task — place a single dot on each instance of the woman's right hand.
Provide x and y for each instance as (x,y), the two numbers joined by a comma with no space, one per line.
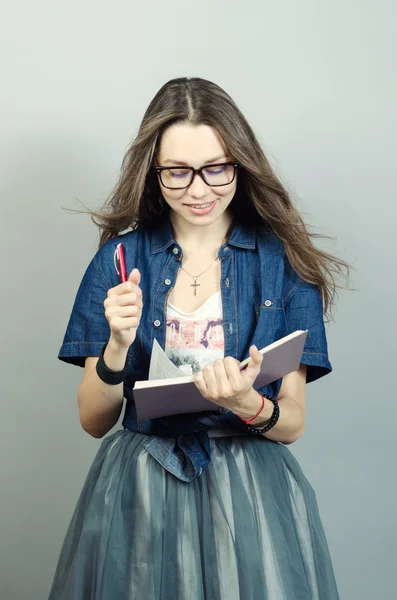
(123,310)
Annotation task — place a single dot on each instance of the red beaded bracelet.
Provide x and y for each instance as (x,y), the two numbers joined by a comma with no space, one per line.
(248,421)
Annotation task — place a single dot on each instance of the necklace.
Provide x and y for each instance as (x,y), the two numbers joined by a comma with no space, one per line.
(195,285)
(195,277)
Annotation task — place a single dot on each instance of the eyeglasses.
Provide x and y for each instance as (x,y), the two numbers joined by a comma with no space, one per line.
(179,178)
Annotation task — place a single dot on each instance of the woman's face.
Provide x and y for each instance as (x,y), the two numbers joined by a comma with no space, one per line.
(194,146)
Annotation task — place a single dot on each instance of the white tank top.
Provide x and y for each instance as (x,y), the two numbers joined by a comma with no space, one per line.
(195,339)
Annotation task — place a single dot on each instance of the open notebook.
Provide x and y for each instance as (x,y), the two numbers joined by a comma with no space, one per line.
(169,392)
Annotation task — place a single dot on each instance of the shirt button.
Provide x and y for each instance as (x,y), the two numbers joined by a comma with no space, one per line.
(268,302)
(175,251)
(167,282)
(157,323)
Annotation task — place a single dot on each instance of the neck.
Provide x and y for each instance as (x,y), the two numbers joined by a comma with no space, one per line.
(193,237)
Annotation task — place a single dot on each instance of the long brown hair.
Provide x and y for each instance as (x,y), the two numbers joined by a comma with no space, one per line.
(260,196)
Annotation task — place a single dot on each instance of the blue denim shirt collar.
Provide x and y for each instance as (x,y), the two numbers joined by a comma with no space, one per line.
(241,236)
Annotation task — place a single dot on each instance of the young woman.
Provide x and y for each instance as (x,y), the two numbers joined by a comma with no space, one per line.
(205,505)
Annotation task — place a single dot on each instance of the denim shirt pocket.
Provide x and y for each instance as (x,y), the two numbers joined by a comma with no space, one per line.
(271,322)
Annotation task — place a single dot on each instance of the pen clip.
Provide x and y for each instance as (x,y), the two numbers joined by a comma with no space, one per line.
(116,262)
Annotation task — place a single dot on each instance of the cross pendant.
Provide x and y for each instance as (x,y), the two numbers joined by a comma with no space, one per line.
(195,285)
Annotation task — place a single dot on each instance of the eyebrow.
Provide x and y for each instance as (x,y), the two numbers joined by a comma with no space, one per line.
(185,164)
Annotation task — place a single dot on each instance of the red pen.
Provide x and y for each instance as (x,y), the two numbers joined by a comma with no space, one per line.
(121,269)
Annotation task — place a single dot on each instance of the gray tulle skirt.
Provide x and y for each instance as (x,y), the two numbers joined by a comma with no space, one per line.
(247,529)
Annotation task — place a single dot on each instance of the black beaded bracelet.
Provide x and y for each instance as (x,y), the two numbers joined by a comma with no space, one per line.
(108,375)
(273,418)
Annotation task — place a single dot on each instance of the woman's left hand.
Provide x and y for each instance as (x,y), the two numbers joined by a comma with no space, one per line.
(224,384)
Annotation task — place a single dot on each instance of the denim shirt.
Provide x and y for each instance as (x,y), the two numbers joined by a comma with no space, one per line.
(263,299)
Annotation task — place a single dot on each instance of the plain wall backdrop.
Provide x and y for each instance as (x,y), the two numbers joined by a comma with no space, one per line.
(317,81)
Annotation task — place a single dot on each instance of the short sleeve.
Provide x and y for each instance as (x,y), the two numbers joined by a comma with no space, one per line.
(304,310)
(88,329)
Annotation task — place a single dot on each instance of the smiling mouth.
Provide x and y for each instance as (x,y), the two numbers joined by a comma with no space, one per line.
(206,205)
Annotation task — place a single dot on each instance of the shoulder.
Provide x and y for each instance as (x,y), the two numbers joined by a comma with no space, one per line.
(130,240)
(269,242)
(271,246)
(103,260)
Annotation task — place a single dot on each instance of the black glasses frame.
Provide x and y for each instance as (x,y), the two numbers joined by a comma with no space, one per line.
(199,171)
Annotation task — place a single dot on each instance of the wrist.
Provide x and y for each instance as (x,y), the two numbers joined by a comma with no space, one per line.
(264,417)
(115,355)
(251,405)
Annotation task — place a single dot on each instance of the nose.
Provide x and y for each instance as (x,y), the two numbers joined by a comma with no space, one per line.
(198,188)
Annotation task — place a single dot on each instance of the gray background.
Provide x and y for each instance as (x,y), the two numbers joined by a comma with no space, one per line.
(317,82)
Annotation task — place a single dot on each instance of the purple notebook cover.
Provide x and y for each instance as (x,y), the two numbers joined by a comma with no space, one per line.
(182,398)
